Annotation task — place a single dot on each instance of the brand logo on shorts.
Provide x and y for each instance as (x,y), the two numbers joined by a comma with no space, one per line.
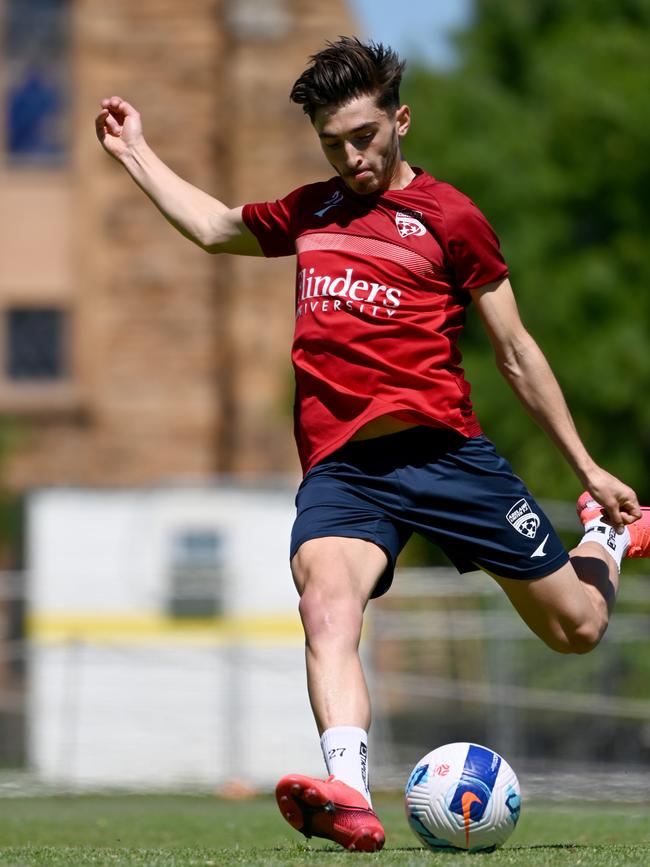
(523,519)
(408,224)
(540,549)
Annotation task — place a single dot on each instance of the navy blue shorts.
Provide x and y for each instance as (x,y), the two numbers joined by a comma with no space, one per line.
(455,491)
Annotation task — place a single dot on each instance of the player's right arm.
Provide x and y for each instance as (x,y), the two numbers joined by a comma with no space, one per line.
(198,216)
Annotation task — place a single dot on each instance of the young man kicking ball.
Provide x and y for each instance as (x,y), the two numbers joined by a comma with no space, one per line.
(388,259)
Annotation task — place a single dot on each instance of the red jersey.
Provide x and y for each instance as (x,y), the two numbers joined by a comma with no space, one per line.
(382,285)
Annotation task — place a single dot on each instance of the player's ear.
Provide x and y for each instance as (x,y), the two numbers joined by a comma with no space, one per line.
(402,120)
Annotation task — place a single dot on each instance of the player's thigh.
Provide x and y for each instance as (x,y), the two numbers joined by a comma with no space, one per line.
(339,567)
(556,608)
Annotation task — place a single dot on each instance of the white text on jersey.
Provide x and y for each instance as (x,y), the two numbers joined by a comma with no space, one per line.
(349,294)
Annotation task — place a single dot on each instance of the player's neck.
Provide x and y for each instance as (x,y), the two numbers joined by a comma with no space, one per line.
(402,177)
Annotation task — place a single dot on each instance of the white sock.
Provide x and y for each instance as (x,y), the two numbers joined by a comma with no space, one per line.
(345,750)
(614,543)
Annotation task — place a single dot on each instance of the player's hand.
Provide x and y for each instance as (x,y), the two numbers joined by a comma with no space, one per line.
(118,126)
(619,502)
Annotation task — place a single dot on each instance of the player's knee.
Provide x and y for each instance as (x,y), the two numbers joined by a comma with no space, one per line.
(577,640)
(584,640)
(330,617)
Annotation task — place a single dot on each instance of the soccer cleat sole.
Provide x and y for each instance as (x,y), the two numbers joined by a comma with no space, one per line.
(314,815)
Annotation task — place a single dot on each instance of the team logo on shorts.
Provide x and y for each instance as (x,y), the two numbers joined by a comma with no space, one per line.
(408,224)
(523,519)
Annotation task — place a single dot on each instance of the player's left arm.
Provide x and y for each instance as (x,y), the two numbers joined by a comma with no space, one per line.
(525,368)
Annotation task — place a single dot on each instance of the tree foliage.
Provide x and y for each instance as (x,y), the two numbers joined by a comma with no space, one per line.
(10,507)
(544,123)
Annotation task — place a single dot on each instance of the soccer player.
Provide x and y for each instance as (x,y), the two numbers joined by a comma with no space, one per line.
(388,260)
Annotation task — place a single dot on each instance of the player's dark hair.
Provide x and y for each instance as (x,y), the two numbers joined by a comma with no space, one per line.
(346,69)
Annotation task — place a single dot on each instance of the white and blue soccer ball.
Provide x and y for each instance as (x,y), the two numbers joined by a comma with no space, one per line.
(463,797)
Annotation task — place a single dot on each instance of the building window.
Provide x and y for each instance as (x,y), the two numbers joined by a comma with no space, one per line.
(259,20)
(35,345)
(197,573)
(36,51)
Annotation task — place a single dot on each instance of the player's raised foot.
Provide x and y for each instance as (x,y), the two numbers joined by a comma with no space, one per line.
(640,535)
(639,531)
(587,508)
(329,809)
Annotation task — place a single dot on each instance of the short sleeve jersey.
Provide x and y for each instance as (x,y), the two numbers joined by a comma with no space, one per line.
(382,286)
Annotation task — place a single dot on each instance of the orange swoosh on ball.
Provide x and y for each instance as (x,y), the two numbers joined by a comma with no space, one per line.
(466,802)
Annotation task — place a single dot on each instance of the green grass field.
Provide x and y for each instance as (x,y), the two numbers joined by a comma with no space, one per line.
(179,831)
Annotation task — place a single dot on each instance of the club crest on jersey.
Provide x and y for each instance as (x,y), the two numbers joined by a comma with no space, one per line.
(523,519)
(407,223)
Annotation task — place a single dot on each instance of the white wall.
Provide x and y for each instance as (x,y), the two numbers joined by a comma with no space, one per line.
(109,550)
(119,694)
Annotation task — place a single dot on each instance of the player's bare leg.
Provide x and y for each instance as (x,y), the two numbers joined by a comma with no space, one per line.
(570,608)
(335,577)
(568,612)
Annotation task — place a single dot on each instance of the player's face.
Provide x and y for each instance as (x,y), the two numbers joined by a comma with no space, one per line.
(362,143)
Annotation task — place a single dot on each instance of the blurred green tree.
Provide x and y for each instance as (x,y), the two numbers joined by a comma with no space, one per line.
(10,503)
(544,122)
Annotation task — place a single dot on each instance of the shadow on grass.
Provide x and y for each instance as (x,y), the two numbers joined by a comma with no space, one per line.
(569,847)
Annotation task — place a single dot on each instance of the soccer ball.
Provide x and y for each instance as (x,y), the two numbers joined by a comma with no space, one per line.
(462,796)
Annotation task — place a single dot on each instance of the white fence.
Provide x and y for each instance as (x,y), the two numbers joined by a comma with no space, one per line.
(155,644)
(457,663)
(164,644)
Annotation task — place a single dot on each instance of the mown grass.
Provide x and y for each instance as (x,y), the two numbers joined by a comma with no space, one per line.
(201,831)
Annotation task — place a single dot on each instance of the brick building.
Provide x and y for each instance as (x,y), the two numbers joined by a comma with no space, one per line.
(128,356)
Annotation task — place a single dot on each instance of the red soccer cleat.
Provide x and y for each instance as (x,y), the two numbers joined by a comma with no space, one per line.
(639,531)
(587,508)
(329,809)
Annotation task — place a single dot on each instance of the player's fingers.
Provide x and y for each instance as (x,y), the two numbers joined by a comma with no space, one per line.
(126,107)
(611,512)
(612,516)
(623,512)
(114,126)
(100,123)
(630,509)
(118,106)
(112,102)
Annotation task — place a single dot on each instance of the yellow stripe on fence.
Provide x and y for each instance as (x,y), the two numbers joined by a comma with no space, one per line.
(57,628)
